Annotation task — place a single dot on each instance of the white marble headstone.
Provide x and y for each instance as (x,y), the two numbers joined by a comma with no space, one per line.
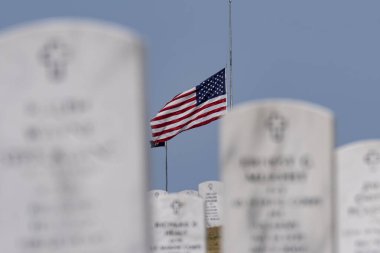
(212,192)
(190,192)
(276,158)
(155,194)
(358,208)
(178,224)
(73,157)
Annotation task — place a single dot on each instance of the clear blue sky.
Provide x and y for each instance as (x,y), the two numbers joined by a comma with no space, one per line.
(325,52)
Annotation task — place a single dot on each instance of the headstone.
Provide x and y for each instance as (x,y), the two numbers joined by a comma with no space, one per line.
(155,194)
(276,161)
(212,192)
(358,209)
(178,224)
(72,139)
(190,192)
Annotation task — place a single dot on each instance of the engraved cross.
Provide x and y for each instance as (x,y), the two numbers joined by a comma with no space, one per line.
(54,56)
(372,158)
(176,205)
(277,125)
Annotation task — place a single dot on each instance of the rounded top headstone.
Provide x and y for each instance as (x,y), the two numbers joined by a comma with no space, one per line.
(178,224)
(72,93)
(275,154)
(358,196)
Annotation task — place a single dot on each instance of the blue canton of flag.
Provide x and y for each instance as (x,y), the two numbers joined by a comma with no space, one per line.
(193,108)
(211,88)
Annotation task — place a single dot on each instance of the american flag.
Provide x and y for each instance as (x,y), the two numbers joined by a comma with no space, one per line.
(190,109)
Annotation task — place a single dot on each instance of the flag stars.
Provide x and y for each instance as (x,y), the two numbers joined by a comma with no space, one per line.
(211,88)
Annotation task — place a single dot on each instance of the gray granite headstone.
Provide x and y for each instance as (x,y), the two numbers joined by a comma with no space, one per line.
(73,158)
(276,158)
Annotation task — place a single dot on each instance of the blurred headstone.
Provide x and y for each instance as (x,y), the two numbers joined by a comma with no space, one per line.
(211,192)
(155,194)
(277,171)
(358,170)
(72,139)
(190,192)
(178,224)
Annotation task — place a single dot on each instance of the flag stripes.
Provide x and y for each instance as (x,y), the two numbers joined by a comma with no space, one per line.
(179,124)
(187,112)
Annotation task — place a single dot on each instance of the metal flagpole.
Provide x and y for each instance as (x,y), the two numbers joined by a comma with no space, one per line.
(166,166)
(230,51)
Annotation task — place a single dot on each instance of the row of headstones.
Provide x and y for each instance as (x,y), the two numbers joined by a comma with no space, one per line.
(179,220)
(275,220)
(210,192)
(73,157)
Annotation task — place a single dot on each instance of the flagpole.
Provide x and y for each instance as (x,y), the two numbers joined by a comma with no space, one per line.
(166,166)
(230,51)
